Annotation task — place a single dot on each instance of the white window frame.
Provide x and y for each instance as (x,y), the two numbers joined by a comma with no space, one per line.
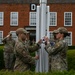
(12,20)
(32,21)
(71,38)
(12,35)
(1,38)
(53,17)
(2,20)
(64,18)
(50,35)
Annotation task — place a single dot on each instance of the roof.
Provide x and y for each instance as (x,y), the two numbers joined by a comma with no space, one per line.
(61,1)
(34,1)
(18,1)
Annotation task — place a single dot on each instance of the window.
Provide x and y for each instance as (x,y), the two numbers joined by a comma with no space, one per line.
(69,39)
(13,34)
(51,35)
(1,18)
(53,18)
(68,19)
(1,37)
(32,18)
(14,19)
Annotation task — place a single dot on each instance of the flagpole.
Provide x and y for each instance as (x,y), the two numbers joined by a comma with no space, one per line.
(41,31)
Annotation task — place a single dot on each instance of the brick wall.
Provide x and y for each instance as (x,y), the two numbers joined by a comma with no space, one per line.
(23,11)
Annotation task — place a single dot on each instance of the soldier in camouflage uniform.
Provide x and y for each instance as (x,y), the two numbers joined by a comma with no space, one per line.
(23,58)
(52,43)
(9,44)
(58,51)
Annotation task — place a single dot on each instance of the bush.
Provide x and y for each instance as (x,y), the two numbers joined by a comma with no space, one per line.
(71,59)
(72,72)
(1,58)
(71,47)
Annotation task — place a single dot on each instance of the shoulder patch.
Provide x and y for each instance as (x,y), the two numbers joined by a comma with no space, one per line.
(58,44)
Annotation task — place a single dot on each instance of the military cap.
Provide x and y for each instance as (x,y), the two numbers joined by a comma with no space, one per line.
(62,30)
(55,31)
(21,30)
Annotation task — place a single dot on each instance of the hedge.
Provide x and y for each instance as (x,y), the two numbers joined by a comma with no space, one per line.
(71,59)
(71,47)
(72,72)
(1,58)
(70,55)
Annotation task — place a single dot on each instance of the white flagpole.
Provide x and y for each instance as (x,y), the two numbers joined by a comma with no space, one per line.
(42,30)
(37,38)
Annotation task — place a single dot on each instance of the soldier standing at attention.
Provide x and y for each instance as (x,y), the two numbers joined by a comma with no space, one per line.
(23,58)
(9,44)
(58,51)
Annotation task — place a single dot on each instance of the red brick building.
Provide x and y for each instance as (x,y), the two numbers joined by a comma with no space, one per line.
(22,13)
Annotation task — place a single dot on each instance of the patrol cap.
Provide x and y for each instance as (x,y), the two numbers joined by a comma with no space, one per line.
(62,30)
(21,30)
(55,31)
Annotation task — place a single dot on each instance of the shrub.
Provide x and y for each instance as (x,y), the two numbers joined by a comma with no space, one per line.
(72,72)
(1,58)
(71,59)
(71,47)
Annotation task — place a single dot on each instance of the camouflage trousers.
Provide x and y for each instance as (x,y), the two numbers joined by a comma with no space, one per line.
(9,60)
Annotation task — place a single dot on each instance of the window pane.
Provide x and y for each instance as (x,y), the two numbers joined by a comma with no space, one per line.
(32,18)
(14,18)
(14,35)
(1,37)
(51,35)
(1,18)
(53,18)
(69,39)
(68,18)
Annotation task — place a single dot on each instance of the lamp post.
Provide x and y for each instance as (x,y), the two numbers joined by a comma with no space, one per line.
(42,29)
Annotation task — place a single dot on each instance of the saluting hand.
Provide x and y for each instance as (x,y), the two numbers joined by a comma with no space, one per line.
(7,35)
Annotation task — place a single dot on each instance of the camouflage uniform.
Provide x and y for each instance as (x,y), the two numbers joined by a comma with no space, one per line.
(52,43)
(23,58)
(58,55)
(8,52)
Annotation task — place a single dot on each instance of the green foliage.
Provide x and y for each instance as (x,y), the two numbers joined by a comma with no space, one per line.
(71,47)
(1,58)
(71,59)
(71,72)
(1,47)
